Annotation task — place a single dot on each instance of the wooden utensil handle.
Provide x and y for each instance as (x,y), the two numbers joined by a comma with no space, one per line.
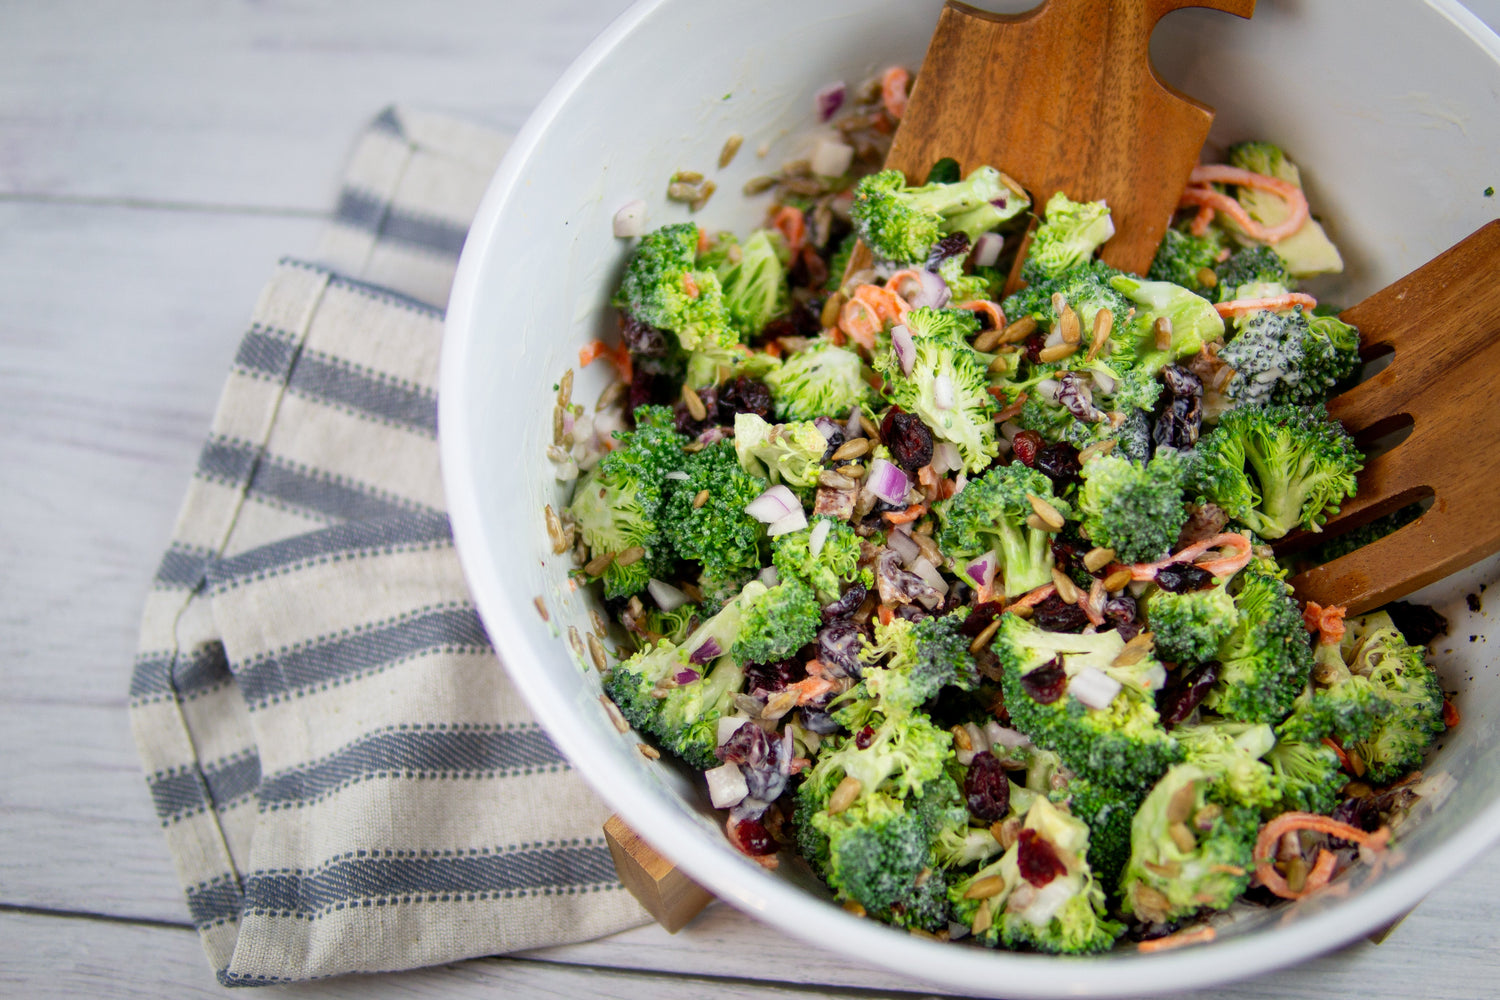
(658,885)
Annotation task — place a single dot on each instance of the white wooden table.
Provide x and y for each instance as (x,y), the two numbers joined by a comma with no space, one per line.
(155,160)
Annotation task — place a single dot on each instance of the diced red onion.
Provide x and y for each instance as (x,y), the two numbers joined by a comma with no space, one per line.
(1048,388)
(1156,677)
(945,457)
(959,482)
(774,504)
(932,291)
(819,536)
(728,726)
(788,751)
(1009,429)
(887,482)
(853,428)
(827,428)
(686,676)
(1000,736)
(981,571)
(829,100)
(706,652)
(942,392)
(630,220)
(924,568)
(902,544)
(977,744)
(905,347)
(1054,338)
(726,786)
(666,596)
(1105,383)
(769,576)
(830,158)
(1048,900)
(987,250)
(795,521)
(1093,687)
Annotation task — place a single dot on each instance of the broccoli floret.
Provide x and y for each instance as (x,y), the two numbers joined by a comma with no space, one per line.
(655,693)
(1181,257)
(990,515)
(1231,752)
(1265,660)
(946,384)
(839,262)
(1192,321)
(1069,234)
(653,625)
(1337,703)
(1188,850)
(835,564)
(1306,252)
(1108,811)
(1256,265)
(879,850)
(618,504)
(900,223)
(1064,915)
(718,533)
(1086,288)
(778,623)
(664,288)
(1401,676)
(712,363)
(1309,777)
(790,453)
(822,381)
(1330,353)
(920,658)
(1190,626)
(1137,510)
(1120,744)
(1287,356)
(1272,468)
(753,278)
(962,287)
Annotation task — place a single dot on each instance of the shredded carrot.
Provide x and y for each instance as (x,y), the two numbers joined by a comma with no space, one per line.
(1296,201)
(987,308)
(792,224)
(1198,935)
(835,336)
(905,283)
(926,477)
(908,515)
(948,487)
(1290,300)
(893,84)
(810,689)
(1322,871)
(1223,566)
(1328,622)
(621,360)
(773,348)
(591,352)
(798,763)
(867,312)
(1451,718)
(703,241)
(1034,597)
(815,668)
(886,615)
(1202,220)
(1333,744)
(689,285)
(1289,822)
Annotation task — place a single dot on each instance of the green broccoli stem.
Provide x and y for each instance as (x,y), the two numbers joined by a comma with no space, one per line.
(1025,558)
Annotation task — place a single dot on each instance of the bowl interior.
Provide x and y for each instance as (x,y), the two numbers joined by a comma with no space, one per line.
(1391,119)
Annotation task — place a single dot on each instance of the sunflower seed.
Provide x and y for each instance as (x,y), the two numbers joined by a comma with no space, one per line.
(851,449)
(756,185)
(1097,558)
(731,147)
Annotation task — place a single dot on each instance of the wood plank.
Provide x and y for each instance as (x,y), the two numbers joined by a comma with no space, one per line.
(52,956)
(255,104)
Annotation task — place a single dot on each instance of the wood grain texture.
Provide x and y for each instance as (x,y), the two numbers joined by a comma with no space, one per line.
(1443,322)
(661,887)
(1062,98)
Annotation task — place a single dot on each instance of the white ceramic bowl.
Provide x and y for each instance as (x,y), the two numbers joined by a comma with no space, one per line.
(1389,108)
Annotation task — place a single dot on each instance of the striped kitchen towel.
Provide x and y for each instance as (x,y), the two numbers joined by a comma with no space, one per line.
(347,780)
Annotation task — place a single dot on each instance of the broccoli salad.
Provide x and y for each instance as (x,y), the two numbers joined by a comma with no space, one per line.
(953,574)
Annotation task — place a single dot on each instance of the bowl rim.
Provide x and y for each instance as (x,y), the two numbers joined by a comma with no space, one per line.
(736,879)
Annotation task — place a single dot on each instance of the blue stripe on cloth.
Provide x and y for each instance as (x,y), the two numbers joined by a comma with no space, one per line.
(215,901)
(388,121)
(339,382)
(335,660)
(238,463)
(380,293)
(377,215)
(365,878)
(267,352)
(414,753)
(381,536)
(182,567)
(181,793)
(188,674)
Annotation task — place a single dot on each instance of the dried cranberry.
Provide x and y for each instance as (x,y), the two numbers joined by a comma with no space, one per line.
(1181,382)
(1046,683)
(912,612)
(1075,394)
(1183,578)
(747,745)
(846,605)
(646,389)
(1026,445)
(980,617)
(808,270)
(952,245)
(1184,691)
(908,439)
(833,433)
(1056,615)
(864,738)
(1059,463)
(1034,345)
(772,677)
(684,420)
(1179,423)
(1418,623)
(1037,858)
(839,643)
(751,837)
(1358,813)
(642,339)
(745,395)
(1067,555)
(1121,610)
(986,788)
